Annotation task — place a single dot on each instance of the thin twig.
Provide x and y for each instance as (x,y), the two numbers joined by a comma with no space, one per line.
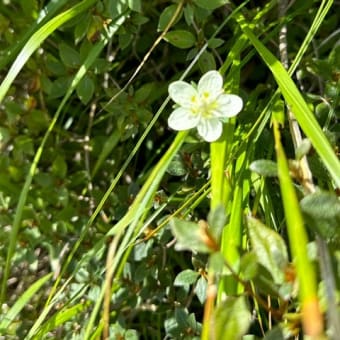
(87,156)
(148,54)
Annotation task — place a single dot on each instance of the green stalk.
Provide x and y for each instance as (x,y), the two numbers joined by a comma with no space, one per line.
(220,186)
(298,241)
(232,234)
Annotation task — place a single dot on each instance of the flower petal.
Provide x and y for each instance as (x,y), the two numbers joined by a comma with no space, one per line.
(210,129)
(183,93)
(182,119)
(211,83)
(228,105)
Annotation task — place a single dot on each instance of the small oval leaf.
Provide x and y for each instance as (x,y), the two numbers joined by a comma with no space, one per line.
(206,62)
(210,4)
(180,38)
(232,318)
(189,236)
(322,214)
(186,277)
(201,289)
(264,167)
(303,149)
(69,56)
(166,17)
(177,167)
(269,248)
(85,89)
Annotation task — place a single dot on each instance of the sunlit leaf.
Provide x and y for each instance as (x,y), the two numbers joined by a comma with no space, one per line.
(232,318)
(210,4)
(186,277)
(269,248)
(189,236)
(264,167)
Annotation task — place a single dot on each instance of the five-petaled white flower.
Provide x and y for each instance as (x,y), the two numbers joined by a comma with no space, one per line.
(204,107)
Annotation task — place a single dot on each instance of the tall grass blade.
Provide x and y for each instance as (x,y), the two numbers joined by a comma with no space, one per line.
(297,104)
(95,51)
(35,41)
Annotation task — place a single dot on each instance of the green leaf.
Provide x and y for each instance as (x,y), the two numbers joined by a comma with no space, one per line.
(215,42)
(232,318)
(264,167)
(59,87)
(180,38)
(217,220)
(135,5)
(69,56)
(322,213)
(81,28)
(186,277)
(189,14)
(269,248)
(189,236)
(85,89)
(303,149)
(249,266)
(201,289)
(59,166)
(275,334)
(166,17)
(124,39)
(210,4)
(177,166)
(206,62)
(60,318)
(145,91)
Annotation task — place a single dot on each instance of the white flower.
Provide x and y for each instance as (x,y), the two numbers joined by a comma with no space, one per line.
(204,107)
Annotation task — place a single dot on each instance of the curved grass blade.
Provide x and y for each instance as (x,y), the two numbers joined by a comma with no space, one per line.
(8,317)
(35,41)
(297,104)
(308,293)
(23,195)
(45,14)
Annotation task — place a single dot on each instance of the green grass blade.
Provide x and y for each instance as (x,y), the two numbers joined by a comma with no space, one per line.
(45,14)
(60,318)
(35,41)
(134,214)
(297,104)
(33,331)
(298,241)
(23,195)
(8,317)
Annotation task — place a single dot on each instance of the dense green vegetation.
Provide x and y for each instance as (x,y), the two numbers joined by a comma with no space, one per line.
(114,226)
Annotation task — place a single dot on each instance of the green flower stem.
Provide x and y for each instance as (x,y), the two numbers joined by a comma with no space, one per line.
(220,186)
(311,315)
(232,235)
